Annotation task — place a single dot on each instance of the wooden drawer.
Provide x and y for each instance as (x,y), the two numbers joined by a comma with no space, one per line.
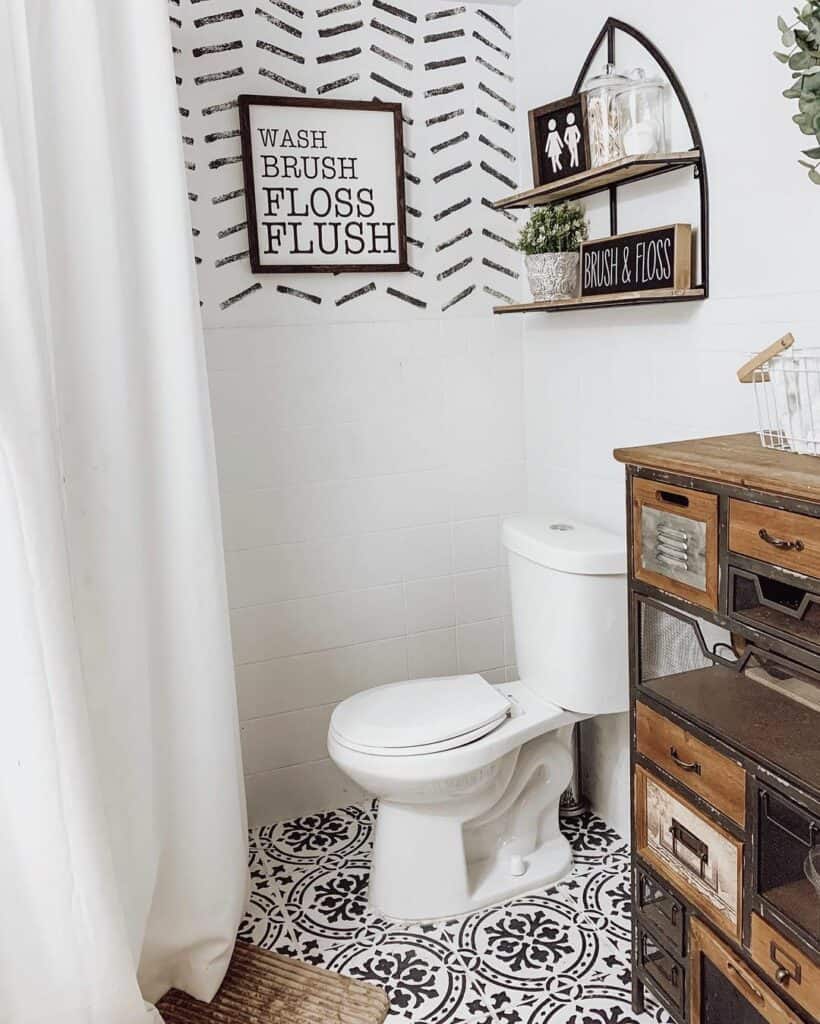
(758,1001)
(790,969)
(665,975)
(660,910)
(674,540)
(689,850)
(774,536)
(719,780)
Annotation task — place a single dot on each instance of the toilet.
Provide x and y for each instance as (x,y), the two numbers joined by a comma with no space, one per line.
(469,775)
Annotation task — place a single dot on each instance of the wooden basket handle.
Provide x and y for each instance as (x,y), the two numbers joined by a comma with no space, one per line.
(746,374)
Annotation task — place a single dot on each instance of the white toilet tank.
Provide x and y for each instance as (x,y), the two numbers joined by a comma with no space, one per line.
(569,603)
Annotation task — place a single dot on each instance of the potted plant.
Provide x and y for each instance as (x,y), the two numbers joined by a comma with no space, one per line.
(550,241)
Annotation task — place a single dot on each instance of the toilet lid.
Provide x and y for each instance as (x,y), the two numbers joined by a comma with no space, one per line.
(440,713)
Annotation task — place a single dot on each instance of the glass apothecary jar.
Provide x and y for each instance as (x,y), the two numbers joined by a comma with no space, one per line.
(642,114)
(604,115)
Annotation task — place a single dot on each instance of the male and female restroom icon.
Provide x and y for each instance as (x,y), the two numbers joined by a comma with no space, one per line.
(556,143)
(469,775)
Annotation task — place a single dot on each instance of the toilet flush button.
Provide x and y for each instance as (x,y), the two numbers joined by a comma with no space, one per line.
(518,865)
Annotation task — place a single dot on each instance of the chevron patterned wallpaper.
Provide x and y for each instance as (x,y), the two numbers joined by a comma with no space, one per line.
(451,66)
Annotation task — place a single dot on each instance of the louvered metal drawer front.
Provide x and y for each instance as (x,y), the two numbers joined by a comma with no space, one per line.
(675,540)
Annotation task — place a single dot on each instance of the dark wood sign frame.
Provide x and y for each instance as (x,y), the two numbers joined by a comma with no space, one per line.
(245,102)
(536,115)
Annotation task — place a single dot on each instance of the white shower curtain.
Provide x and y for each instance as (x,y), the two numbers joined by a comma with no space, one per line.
(122,832)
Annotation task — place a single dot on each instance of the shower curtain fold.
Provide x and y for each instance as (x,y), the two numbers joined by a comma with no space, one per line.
(122,823)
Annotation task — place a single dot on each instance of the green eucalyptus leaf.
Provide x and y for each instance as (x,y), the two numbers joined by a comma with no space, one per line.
(800,61)
(788,39)
(814,176)
(782,57)
(813,153)
(781,23)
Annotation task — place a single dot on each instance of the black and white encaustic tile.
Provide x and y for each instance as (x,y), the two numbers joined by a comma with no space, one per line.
(553,956)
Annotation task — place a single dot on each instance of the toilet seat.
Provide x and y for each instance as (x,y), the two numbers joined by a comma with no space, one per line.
(419,716)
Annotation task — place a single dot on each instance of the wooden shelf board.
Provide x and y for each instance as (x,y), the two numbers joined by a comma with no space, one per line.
(736,459)
(602,301)
(619,172)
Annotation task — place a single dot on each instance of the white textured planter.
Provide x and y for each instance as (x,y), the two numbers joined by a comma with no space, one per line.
(553,275)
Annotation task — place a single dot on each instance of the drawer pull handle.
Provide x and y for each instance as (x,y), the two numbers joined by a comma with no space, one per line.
(781,545)
(672,499)
(788,969)
(745,984)
(681,836)
(687,766)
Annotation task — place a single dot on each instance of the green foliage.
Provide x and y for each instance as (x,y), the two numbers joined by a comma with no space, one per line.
(801,41)
(560,227)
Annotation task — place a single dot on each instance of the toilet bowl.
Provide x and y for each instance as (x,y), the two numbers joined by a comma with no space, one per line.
(469,775)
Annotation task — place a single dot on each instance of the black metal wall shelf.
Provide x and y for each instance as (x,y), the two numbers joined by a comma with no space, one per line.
(621,172)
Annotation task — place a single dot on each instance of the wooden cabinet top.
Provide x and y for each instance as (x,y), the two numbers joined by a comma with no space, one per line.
(737,459)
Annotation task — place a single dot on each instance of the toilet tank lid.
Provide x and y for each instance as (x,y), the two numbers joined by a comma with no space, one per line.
(567,545)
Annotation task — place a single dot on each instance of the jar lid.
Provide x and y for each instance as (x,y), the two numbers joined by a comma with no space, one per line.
(637,77)
(608,76)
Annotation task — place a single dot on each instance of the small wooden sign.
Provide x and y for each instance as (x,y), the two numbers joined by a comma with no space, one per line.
(558,139)
(324,185)
(640,261)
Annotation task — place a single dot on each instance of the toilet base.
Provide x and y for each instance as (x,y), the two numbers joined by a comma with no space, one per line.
(546,865)
(431,862)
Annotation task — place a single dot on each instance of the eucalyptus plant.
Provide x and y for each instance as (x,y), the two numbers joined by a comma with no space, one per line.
(560,227)
(801,41)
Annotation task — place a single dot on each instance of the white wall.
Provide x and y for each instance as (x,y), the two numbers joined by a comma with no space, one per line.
(596,380)
(366,448)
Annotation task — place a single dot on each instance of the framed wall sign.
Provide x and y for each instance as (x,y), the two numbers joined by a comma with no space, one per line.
(641,261)
(324,185)
(558,139)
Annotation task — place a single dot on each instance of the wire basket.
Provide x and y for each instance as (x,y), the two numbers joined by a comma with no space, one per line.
(787,397)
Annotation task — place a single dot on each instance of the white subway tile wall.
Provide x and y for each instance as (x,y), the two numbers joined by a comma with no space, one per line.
(362,539)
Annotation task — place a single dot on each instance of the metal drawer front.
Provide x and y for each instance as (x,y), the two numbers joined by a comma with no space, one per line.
(667,975)
(660,911)
(674,546)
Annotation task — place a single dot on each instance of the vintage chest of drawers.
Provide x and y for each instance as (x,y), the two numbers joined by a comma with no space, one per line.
(724,622)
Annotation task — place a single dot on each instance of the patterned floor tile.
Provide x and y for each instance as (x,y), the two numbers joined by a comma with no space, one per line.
(344,833)
(555,956)
(425,978)
(605,899)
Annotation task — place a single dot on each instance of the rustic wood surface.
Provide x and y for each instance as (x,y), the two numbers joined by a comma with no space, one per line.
(747,520)
(702,943)
(720,781)
(627,168)
(617,298)
(737,459)
(771,952)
